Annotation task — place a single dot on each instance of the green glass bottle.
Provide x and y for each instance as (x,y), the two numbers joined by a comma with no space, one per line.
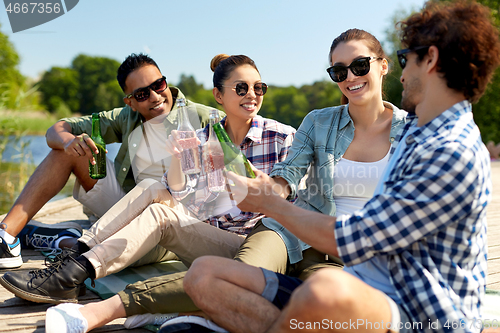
(98,170)
(234,159)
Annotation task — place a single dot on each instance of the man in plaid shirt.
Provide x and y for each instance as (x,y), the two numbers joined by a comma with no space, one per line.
(415,255)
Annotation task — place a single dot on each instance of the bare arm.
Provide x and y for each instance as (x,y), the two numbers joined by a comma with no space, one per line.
(259,195)
(59,136)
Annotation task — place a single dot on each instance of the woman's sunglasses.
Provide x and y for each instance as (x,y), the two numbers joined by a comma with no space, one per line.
(142,94)
(359,67)
(241,88)
(402,54)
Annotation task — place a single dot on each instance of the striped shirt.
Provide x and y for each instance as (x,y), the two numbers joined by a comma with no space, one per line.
(266,143)
(429,223)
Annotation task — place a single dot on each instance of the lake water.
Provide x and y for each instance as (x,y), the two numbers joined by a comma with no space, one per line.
(36,149)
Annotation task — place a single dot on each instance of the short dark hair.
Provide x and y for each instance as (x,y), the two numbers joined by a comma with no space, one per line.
(130,64)
(467,40)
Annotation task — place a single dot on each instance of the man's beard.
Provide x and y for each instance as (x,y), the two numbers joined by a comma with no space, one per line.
(413,87)
(408,105)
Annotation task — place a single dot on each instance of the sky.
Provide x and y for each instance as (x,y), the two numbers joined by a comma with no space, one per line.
(289,40)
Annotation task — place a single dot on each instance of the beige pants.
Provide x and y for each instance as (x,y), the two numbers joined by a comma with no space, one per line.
(105,193)
(146,217)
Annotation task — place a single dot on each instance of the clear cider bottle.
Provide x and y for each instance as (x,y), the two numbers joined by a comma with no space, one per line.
(190,155)
(213,157)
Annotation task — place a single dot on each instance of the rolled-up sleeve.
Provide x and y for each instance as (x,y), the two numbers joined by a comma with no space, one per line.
(111,123)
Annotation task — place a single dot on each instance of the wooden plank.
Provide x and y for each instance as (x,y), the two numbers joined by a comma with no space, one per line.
(492,279)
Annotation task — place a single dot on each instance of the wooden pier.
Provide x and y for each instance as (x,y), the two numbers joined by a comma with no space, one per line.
(18,315)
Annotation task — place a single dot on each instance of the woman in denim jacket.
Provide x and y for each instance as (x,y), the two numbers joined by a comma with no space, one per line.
(341,149)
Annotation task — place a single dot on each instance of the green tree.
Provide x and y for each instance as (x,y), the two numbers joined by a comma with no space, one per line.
(17,93)
(60,85)
(321,94)
(196,92)
(288,105)
(392,84)
(9,60)
(206,97)
(109,95)
(189,86)
(487,111)
(93,72)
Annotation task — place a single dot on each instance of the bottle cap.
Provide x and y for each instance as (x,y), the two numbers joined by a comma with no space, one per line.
(213,114)
(181,102)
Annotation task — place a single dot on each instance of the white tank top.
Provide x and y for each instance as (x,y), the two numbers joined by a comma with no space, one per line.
(355,183)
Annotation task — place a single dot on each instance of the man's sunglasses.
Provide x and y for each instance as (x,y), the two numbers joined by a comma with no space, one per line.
(142,94)
(241,88)
(359,67)
(402,54)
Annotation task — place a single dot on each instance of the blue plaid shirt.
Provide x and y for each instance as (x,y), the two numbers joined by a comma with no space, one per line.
(266,143)
(429,223)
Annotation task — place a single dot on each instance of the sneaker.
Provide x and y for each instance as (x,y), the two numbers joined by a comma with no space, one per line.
(61,282)
(156,319)
(193,324)
(10,254)
(41,236)
(65,318)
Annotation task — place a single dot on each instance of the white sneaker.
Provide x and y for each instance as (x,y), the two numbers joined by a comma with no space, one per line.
(65,318)
(10,254)
(207,324)
(156,319)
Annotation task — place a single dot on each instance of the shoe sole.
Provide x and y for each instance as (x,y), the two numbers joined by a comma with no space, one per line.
(34,297)
(60,225)
(11,262)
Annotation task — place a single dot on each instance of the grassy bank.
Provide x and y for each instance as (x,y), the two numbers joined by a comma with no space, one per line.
(13,176)
(28,123)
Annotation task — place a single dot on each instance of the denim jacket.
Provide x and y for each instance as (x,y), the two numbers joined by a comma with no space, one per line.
(320,142)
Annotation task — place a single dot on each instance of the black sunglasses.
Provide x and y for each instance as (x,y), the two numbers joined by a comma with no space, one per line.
(402,54)
(359,67)
(142,94)
(241,88)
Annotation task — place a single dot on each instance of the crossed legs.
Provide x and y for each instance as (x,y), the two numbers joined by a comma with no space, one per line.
(328,297)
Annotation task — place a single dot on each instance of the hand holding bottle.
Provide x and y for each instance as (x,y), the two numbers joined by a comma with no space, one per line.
(81,145)
(175,144)
(254,195)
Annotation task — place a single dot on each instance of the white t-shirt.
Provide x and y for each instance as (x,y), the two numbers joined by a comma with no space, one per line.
(151,159)
(355,183)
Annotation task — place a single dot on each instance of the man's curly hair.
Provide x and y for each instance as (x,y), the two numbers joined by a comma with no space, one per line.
(467,40)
